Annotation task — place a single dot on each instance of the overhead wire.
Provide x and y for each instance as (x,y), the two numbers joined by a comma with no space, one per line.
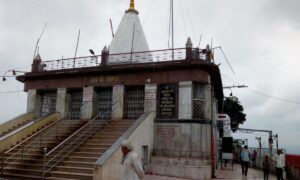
(264,94)
(190,18)
(184,23)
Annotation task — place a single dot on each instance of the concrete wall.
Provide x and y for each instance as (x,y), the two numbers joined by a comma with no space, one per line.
(13,139)
(185,100)
(118,102)
(142,135)
(182,140)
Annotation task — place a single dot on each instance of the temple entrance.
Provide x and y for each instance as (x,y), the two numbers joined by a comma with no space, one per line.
(76,103)
(134,102)
(104,102)
(48,103)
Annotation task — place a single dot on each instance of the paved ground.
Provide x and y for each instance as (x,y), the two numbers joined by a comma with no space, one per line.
(225,174)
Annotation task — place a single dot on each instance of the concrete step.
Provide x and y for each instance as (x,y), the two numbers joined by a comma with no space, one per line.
(78,164)
(56,178)
(24,171)
(180,171)
(87,154)
(81,159)
(14,176)
(88,150)
(96,146)
(70,169)
(81,176)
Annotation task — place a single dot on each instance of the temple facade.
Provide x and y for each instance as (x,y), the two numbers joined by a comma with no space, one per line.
(170,97)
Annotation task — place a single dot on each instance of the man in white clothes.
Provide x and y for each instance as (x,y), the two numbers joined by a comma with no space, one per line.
(132,165)
(280,164)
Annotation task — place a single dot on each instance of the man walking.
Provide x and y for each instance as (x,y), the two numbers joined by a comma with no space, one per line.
(245,158)
(132,165)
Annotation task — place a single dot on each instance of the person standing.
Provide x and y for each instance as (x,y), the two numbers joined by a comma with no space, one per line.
(266,167)
(245,158)
(280,164)
(253,158)
(132,165)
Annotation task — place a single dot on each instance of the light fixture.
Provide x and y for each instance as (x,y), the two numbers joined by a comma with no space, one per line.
(92,52)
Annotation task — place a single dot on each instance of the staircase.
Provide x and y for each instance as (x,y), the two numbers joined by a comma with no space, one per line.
(25,160)
(80,163)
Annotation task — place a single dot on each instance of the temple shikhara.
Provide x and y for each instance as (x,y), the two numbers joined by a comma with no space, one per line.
(79,110)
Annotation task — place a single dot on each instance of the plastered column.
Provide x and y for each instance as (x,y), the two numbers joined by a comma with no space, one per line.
(62,101)
(34,102)
(87,109)
(117,102)
(185,99)
(150,98)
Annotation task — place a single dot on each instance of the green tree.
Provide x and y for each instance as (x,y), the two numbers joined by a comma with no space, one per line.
(234,109)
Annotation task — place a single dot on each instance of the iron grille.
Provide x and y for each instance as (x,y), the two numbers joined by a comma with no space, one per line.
(198,109)
(104,103)
(198,101)
(135,102)
(76,103)
(48,104)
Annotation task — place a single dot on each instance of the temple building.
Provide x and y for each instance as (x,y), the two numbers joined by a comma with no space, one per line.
(79,110)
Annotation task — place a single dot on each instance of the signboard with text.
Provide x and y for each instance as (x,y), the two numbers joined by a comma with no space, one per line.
(167,101)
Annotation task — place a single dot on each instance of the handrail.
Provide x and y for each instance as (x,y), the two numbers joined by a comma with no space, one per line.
(60,144)
(35,134)
(77,141)
(115,54)
(24,148)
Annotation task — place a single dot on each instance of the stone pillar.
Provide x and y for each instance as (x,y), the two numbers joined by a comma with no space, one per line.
(150,98)
(118,102)
(34,102)
(62,101)
(185,99)
(87,110)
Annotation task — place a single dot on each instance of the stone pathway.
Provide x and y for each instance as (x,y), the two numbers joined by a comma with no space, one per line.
(225,174)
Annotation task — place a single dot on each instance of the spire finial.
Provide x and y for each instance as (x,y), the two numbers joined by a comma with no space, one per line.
(131,7)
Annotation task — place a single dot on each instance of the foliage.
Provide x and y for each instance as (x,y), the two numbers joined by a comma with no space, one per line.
(234,109)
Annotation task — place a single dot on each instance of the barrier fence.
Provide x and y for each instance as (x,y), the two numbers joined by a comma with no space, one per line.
(293,165)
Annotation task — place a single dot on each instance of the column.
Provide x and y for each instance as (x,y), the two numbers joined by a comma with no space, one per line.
(185,100)
(208,97)
(150,98)
(62,101)
(34,101)
(118,102)
(87,110)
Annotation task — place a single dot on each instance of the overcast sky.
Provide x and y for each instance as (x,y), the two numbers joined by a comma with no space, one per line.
(261,39)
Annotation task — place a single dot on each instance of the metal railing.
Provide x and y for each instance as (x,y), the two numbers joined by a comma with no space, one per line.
(134,57)
(28,145)
(61,151)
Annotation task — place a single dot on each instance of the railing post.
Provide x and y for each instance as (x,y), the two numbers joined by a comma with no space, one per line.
(2,164)
(41,137)
(44,161)
(22,154)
